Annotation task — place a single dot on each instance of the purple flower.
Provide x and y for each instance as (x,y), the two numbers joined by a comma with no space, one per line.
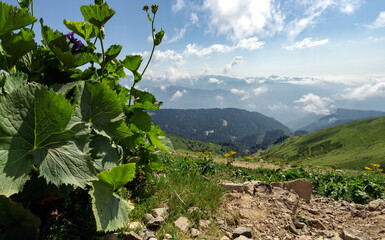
(78,44)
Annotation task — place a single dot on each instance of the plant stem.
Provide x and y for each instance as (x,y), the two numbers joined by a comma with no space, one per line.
(103,54)
(32,13)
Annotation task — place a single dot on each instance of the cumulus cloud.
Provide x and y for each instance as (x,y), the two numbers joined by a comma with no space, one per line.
(237,91)
(260,90)
(365,91)
(219,98)
(316,104)
(214,80)
(236,61)
(178,94)
(167,55)
(250,43)
(174,74)
(307,43)
(379,22)
(245,18)
(178,5)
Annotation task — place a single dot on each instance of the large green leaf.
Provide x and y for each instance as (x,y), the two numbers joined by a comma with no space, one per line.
(14,81)
(154,137)
(12,18)
(110,210)
(15,46)
(17,222)
(57,42)
(143,100)
(118,176)
(100,106)
(97,15)
(104,154)
(34,131)
(141,120)
(83,29)
(112,52)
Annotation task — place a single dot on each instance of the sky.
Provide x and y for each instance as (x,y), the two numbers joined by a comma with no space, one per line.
(336,44)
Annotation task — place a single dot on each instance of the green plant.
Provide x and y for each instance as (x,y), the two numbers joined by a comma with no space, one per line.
(64,128)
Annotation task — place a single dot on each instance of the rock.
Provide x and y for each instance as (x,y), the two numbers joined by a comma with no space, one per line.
(292,229)
(167,236)
(230,186)
(327,234)
(377,205)
(160,212)
(109,236)
(131,236)
(204,223)
(155,223)
(193,210)
(183,224)
(225,238)
(195,232)
(242,238)
(304,237)
(351,234)
(316,224)
(242,231)
(149,235)
(135,225)
(148,217)
(302,187)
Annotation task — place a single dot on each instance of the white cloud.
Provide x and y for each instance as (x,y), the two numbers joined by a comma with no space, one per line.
(243,18)
(178,94)
(307,43)
(316,104)
(236,61)
(178,5)
(349,6)
(179,35)
(250,43)
(214,80)
(194,19)
(365,91)
(174,74)
(161,56)
(237,91)
(379,22)
(219,98)
(260,90)
(278,106)
(206,70)
(192,49)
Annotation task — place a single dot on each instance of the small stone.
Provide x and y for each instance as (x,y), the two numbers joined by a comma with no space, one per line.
(302,187)
(148,217)
(167,236)
(292,229)
(351,234)
(242,238)
(204,223)
(242,231)
(131,236)
(327,234)
(194,232)
(155,223)
(225,238)
(230,186)
(135,225)
(160,212)
(149,236)
(317,224)
(377,205)
(183,224)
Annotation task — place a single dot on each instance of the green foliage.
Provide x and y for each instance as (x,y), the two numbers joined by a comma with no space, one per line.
(63,128)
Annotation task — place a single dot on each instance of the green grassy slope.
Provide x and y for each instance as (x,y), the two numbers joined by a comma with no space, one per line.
(352,145)
(184,144)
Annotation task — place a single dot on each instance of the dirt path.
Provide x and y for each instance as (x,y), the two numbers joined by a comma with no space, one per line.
(251,165)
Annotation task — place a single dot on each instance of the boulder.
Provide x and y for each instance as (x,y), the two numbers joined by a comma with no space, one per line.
(183,224)
(377,205)
(351,234)
(242,231)
(302,187)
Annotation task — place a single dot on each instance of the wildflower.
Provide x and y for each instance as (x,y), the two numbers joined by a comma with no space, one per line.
(226,155)
(232,153)
(368,168)
(145,8)
(77,44)
(309,158)
(154,9)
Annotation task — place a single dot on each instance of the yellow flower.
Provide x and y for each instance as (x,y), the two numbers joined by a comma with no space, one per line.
(247,158)
(368,168)
(226,155)
(232,153)
(309,158)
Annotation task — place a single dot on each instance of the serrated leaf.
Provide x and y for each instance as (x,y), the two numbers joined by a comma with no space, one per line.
(83,29)
(132,62)
(158,37)
(33,131)
(101,107)
(104,154)
(118,176)
(141,120)
(110,210)
(14,81)
(154,137)
(12,18)
(112,52)
(97,15)
(16,45)
(57,42)
(143,100)
(116,69)
(24,3)
(16,222)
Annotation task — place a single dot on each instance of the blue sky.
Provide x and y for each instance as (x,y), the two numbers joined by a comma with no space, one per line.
(299,42)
